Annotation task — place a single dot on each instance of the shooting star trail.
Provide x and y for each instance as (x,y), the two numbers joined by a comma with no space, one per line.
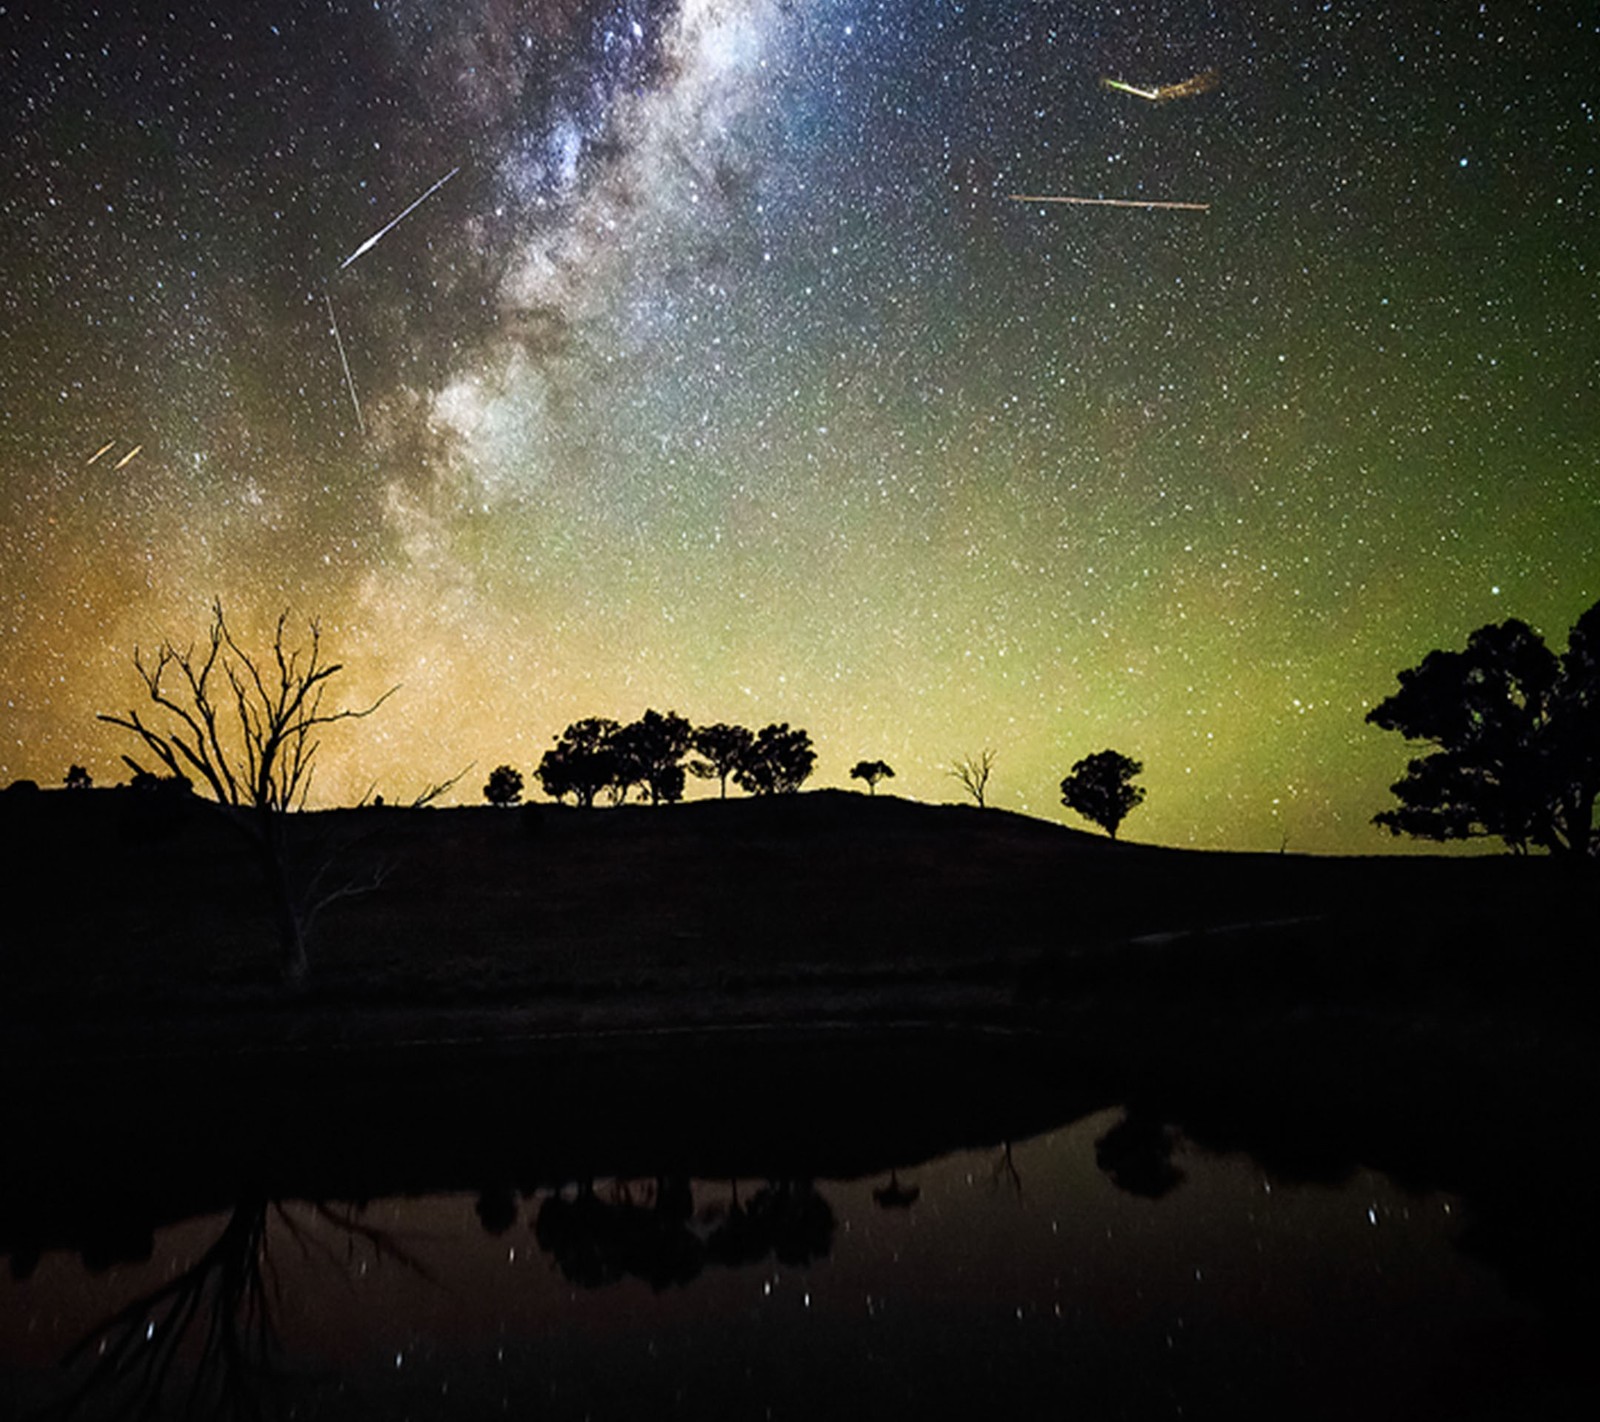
(1154,95)
(128,457)
(103,448)
(377,236)
(1114,202)
(349,381)
(1190,88)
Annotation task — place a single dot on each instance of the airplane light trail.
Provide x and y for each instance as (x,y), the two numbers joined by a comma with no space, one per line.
(128,457)
(1115,202)
(103,448)
(373,240)
(338,340)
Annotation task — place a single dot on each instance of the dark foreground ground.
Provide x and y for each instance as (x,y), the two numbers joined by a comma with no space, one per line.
(815,985)
(138,924)
(122,902)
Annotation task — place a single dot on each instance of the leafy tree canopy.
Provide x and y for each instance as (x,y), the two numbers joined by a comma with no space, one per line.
(722,747)
(504,787)
(650,752)
(581,763)
(779,761)
(1515,732)
(1101,789)
(872,771)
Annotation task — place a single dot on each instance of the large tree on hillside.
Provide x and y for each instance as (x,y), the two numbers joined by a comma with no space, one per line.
(778,762)
(581,763)
(722,747)
(1515,732)
(246,726)
(1101,789)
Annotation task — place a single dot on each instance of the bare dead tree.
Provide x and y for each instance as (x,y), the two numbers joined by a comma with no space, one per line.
(248,726)
(973,772)
(221,1301)
(205,1342)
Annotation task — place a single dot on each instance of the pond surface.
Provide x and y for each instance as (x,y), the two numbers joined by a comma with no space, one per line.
(1107,1266)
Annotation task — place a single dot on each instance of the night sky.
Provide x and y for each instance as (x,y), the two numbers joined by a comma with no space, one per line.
(723,375)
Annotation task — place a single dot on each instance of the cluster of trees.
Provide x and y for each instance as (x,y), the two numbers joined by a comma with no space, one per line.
(598,756)
(1514,731)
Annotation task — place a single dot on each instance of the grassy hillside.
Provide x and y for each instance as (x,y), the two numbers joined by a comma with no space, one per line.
(505,907)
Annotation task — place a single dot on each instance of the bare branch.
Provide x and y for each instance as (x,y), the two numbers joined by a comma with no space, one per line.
(433,792)
(352,889)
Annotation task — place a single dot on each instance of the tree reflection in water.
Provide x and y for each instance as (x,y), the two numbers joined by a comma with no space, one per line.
(1005,1170)
(894,1195)
(1136,1155)
(205,1344)
(598,1241)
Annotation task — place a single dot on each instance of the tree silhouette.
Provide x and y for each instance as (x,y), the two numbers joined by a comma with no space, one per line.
(650,752)
(872,771)
(504,787)
(894,1195)
(596,1242)
(723,747)
(1516,737)
(204,1342)
(778,762)
(582,763)
(973,772)
(1136,1155)
(78,778)
(248,726)
(1101,789)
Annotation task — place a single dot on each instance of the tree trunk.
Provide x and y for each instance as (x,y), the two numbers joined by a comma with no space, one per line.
(1580,821)
(291,933)
(286,919)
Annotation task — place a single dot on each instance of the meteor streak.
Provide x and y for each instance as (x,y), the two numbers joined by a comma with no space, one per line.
(103,448)
(1188,89)
(338,340)
(128,457)
(1115,202)
(377,236)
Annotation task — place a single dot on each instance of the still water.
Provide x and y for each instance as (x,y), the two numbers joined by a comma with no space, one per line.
(1107,1267)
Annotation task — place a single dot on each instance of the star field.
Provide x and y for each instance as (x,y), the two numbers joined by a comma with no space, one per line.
(725,376)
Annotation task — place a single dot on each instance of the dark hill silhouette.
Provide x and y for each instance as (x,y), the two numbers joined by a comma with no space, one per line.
(732,899)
